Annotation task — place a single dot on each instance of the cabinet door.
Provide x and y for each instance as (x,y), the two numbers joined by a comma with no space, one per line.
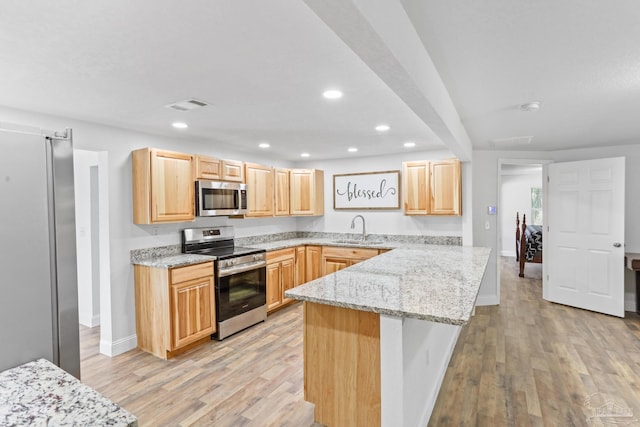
(192,311)
(314,262)
(301,261)
(281,192)
(172,188)
(259,190)
(274,289)
(415,187)
(446,188)
(307,192)
(232,170)
(333,264)
(207,167)
(287,277)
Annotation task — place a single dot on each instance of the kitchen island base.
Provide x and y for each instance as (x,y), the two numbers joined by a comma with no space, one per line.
(368,369)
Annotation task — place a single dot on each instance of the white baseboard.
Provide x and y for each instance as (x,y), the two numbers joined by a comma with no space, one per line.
(511,254)
(119,346)
(95,321)
(85,319)
(487,300)
(629,301)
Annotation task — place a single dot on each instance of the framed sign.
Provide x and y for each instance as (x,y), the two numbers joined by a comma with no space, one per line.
(369,190)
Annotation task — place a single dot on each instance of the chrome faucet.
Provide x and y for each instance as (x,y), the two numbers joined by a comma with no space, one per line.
(353,225)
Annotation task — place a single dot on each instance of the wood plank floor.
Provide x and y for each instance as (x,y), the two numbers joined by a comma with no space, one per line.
(526,362)
(529,362)
(253,378)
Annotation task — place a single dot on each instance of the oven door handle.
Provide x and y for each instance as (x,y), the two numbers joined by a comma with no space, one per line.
(228,271)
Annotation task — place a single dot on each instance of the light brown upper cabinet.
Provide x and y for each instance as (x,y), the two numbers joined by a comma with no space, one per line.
(432,188)
(281,200)
(220,170)
(207,167)
(163,188)
(260,184)
(446,188)
(307,192)
(415,187)
(232,170)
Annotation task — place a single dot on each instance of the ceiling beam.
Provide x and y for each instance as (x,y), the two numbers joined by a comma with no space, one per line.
(382,35)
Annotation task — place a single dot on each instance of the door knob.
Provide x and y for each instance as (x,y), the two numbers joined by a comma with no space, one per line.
(617,245)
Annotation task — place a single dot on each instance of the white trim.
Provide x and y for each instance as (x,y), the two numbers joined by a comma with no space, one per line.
(95,320)
(119,346)
(508,253)
(487,300)
(630,301)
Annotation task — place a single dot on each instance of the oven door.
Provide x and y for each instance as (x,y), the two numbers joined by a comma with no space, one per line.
(240,291)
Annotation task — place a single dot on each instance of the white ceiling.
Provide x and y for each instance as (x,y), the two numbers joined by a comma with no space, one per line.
(264,64)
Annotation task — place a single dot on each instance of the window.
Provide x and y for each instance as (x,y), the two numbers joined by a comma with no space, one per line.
(536,206)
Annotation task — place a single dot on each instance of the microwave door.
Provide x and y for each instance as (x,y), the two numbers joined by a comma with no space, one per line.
(218,199)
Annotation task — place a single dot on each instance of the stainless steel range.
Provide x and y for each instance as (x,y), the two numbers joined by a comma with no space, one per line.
(240,277)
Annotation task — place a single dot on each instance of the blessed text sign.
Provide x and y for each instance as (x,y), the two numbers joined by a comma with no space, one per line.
(370,190)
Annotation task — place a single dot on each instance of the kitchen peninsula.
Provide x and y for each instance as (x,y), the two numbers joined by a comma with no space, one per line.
(378,336)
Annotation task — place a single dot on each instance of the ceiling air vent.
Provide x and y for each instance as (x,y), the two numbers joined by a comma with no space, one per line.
(187,105)
(512,142)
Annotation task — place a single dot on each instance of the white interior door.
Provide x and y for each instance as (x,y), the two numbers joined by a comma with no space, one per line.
(585,240)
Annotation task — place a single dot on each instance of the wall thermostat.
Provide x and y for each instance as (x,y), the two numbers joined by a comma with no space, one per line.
(491,210)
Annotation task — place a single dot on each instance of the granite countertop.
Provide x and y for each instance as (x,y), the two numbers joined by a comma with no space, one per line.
(166,259)
(350,243)
(171,261)
(39,393)
(429,282)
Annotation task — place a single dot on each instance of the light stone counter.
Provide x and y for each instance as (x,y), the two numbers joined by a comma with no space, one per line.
(428,282)
(171,261)
(39,393)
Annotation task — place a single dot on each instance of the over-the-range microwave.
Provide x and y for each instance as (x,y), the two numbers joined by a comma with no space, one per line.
(215,198)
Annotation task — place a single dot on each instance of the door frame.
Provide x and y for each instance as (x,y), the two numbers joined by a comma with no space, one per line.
(522,162)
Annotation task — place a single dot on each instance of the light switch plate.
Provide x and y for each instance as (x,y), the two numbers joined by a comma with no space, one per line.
(491,210)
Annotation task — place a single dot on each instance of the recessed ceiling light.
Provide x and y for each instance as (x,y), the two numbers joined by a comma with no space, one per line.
(352,149)
(264,145)
(382,128)
(180,125)
(409,144)
(332,94)
(304,155)
(530,107)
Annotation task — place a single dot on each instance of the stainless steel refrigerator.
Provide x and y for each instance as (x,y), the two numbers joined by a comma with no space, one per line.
(38,278)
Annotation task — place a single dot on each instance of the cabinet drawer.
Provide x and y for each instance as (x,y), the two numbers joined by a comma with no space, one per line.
(280,255)
(182,274)
(352,253)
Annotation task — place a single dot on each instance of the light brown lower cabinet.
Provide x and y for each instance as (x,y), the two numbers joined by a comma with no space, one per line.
(280,276)
(175,308)
(313,265)
(336,258)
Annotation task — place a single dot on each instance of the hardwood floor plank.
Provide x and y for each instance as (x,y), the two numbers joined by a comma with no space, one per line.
(549,359)
(524,362)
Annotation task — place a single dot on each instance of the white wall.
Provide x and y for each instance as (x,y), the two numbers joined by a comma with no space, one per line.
(88,313)
(515,197)
(377,221)
(485,190)
(118,331)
